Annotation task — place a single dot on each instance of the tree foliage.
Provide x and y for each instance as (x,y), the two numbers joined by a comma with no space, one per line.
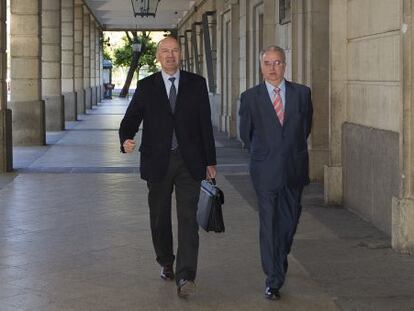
(126,57)
(106,50)
(123,55)
(148,58)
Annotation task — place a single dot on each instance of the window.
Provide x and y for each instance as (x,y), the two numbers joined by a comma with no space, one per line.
(284,11)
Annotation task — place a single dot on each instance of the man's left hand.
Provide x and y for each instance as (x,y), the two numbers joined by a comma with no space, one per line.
(211,172)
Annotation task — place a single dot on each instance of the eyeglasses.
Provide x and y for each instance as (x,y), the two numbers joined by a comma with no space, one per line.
(168,51)
(273,63)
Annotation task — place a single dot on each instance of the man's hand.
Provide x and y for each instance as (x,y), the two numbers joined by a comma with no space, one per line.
(211,172)
(129,145)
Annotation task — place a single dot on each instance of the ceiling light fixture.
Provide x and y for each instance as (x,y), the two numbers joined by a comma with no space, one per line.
(145,8)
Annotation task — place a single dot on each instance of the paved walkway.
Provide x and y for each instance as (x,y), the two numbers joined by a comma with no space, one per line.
(74,235)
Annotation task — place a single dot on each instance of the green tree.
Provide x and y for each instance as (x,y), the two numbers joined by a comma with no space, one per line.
(126,57)
(106,50)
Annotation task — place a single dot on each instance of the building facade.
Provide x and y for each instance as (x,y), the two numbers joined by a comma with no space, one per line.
(357,57)
(55,62)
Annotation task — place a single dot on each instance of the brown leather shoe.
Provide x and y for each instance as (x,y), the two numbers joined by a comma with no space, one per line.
(167,272)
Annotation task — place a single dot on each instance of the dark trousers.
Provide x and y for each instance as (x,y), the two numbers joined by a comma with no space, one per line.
(187,191)
(279,214)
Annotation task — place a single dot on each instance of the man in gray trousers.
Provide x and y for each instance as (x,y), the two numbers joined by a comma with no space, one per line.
(275,122)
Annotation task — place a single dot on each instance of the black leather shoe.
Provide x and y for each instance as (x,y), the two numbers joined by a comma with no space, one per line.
(272,293)
(167,272)
(185,288)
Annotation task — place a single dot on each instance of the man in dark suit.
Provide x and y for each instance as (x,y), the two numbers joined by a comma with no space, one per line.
(177,151)
(275,122)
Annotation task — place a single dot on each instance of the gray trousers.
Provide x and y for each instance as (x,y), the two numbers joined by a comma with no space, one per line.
(279,214)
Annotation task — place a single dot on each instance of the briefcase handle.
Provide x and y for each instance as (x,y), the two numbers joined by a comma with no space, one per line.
(212,181)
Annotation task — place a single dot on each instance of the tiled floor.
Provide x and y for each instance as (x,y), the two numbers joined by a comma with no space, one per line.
(74,233)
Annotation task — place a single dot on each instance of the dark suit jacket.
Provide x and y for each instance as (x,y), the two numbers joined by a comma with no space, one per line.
(191,120)
(278,155)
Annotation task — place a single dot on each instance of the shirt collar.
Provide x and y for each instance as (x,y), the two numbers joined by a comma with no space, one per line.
(166,76)
(271,87)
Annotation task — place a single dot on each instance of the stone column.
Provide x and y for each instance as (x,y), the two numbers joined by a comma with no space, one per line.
(51,65)
(235,71)
(299,35)
(97,64)
(68,82)
(101,87)
(92,63)
(26,103)
(269,22)
(230,68)
(243,41)
(6,147)
(319,73)
(86,58)
(78,57)
(255,31)
(403,206)
(333,187)
(310,66)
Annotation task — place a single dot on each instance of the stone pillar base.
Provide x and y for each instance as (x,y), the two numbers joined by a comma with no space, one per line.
(70,106)
(80,101)
(223,123)
(88,98)
(318,158)
(93,96)
(95,91)
(332,183)
(98,94)
(6,143)
(215,108)
(403,225)
(55,113)
(29,127)
(102,89)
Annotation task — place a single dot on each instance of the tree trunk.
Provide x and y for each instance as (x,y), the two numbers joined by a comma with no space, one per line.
(130,75)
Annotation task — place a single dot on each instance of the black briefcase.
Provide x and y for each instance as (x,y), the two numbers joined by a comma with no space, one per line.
(209,213)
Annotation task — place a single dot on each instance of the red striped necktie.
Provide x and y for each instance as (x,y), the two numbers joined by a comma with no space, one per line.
(278,105)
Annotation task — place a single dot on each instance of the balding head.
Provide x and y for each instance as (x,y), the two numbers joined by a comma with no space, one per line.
(166,40)
(169,55)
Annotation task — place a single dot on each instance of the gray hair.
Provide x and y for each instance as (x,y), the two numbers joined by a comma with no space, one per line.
(273,48)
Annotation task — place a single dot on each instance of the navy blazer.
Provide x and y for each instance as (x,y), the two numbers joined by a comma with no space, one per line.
(278,154)
(191,121)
